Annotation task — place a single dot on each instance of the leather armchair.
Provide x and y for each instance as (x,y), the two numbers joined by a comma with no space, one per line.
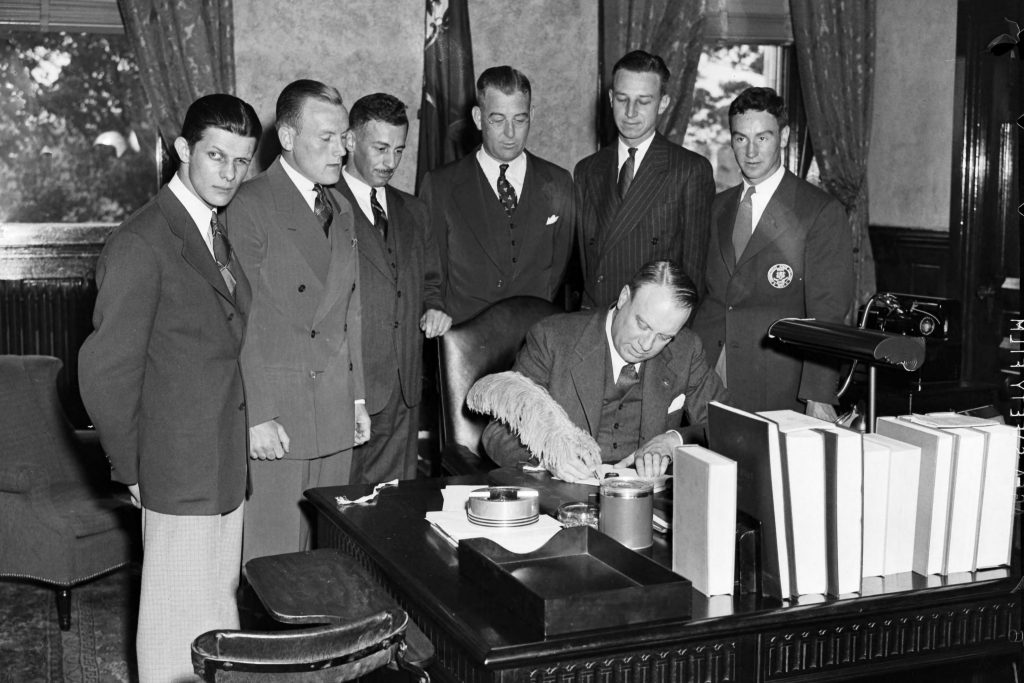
(480,346)
(62,521)
(351,626)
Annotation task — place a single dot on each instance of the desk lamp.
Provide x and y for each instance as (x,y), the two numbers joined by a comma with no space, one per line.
(871,347)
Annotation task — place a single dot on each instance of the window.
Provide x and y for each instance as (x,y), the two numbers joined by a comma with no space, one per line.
(77,142)
(723,73)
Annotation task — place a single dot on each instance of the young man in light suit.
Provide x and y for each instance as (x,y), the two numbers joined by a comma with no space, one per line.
(401,283)
(161,380)
(502,218)
(780,248)
(302,359)
(641,198)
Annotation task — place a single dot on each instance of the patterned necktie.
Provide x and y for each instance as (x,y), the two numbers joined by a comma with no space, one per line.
(222,252)
(742,228)
(323,209)
(628,377)
(380,219)
(506,193)
(626,173)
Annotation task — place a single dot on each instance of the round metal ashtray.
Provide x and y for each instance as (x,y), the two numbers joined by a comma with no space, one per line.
(503,506)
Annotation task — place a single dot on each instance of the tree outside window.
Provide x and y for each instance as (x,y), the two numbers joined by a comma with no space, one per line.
(76,139)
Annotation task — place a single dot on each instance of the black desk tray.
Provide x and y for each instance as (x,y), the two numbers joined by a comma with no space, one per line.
(580,580)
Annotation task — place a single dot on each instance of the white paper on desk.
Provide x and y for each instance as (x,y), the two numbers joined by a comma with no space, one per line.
(455,496)
(660,482)
(521,539)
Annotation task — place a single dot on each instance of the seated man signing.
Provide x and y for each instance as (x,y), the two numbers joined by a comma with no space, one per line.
(625,375)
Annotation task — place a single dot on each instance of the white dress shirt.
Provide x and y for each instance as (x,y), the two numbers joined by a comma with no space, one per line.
(361,191)
(638,156)
(762,195)
(197,209)
(515,173)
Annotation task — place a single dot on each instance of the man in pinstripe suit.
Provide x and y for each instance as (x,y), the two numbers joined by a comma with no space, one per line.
(642,198)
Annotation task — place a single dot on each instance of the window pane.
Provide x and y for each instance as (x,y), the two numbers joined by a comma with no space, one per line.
(76,139)
(723,73)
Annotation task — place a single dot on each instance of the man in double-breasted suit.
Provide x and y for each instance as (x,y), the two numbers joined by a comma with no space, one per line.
(780,248)
(302,359)
(502,218)
(161,380)
(626,375)
(400,279)
(643,197)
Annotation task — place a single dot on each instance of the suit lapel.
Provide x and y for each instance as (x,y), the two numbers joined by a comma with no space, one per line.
(344,260)
(298,221)
(726,221)
(193,247)
(371,248)
(648,185)
(659,378)
(401,225)
(469,192)
(591,353)
(776,219)
(606,186)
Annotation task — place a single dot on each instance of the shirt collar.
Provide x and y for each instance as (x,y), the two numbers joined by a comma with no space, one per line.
(490,165)
(641,152)
(361,191)
(196,207)
(304,184)
(618,362)
(766,188)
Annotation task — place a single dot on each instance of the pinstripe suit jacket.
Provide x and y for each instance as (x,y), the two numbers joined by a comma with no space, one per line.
(665,215)
(400,279)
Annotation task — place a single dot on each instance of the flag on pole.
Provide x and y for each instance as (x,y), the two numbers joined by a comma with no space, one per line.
(449,91)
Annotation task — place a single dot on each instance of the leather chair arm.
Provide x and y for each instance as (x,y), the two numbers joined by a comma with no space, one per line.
(456,459)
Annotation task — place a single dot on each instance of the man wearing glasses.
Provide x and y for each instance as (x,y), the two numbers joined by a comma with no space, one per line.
(502,217)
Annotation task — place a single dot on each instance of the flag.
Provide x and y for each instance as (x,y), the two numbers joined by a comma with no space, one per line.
(449,91)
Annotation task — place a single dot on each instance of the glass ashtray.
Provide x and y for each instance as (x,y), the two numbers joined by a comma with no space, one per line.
(577,514)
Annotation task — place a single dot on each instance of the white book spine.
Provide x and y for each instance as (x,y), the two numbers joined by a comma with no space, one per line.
(875,502)
(995,524)
(901,510)
(968,469)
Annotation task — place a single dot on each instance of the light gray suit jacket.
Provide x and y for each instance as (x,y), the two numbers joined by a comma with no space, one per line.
(302,359)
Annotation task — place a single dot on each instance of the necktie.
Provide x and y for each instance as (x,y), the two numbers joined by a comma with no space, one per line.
(626,173)
(222,252)
(506,193)
(742,228)
(628,377)
(380,219)
(323,209)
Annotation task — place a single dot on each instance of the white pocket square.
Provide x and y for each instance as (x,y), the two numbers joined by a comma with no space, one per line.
(677,403)
(552,220)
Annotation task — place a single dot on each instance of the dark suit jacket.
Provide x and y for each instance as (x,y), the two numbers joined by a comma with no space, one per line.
(400,280)
(566,354)
(805,230)
(477,258)
(665,215)
(302,359)
(159,375)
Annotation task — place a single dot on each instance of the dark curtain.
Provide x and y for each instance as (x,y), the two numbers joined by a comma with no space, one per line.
(835,47)
(449,89)
(185,49)
(672,29)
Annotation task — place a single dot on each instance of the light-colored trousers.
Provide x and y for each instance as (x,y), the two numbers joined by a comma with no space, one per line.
(190,571)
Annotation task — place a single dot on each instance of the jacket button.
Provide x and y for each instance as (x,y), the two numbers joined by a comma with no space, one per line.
(395,324)
(501,283)
(399,295)
(302,288)
(231,316)
(346,327)
(241,406)
(350,367)
(353,286)
(312,334)
(600,279)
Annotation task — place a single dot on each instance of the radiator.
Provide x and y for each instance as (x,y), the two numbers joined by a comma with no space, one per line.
(50,317)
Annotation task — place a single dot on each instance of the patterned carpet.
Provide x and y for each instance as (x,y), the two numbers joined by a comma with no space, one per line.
(99,648)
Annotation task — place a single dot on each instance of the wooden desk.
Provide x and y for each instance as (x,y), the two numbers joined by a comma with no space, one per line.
(971,629)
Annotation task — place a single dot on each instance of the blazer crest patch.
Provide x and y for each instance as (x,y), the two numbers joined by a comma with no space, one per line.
(780,276)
